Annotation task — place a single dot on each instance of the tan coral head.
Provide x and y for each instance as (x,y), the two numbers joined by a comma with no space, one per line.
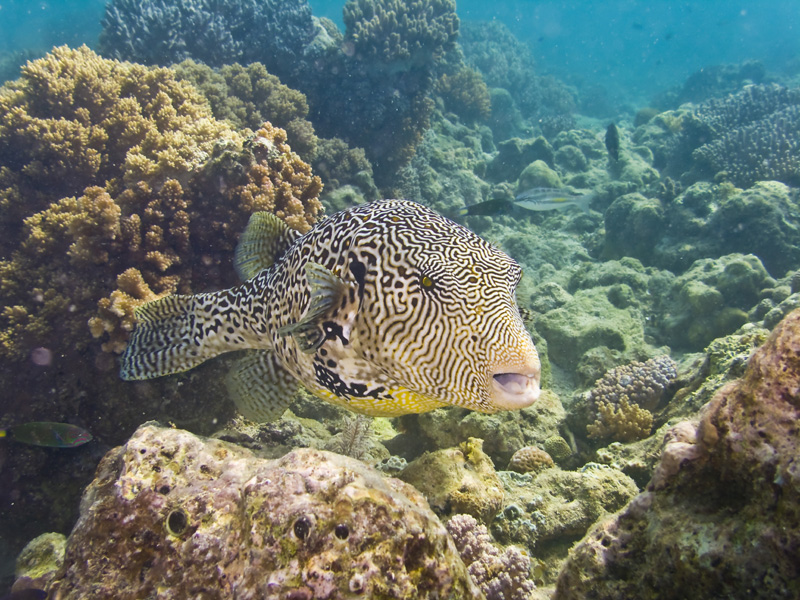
(517,386)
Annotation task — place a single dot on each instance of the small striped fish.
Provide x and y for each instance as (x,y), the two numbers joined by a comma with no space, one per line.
(536,200)
(387,308)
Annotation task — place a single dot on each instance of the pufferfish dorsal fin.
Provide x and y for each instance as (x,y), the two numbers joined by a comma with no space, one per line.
(327,291)
(263,241)
(259,386)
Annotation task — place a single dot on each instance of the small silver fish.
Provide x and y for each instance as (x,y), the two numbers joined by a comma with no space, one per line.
(387,308)
(541,199)
(535,199)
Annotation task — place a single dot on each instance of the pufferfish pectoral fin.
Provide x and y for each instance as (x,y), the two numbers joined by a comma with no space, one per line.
(263,241)
(259,386)
(327,292)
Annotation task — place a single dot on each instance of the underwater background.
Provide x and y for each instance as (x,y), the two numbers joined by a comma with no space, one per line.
(639,160)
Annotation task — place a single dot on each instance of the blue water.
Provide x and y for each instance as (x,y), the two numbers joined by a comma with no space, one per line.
(632,48)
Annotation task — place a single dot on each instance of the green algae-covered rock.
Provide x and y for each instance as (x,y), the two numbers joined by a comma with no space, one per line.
(547,511)
(538,174)
(40,560)
(712,298)
(633,222)
(514,154)
(458,480)
(590,320)
(201,517)
(503,433)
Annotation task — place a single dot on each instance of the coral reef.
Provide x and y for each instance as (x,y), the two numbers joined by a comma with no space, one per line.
(458,480)
(764,150)
(713,81)
(339,166)
(643,383)
(745,137)
(500,575)
(721,513)
(465,93)
(507,63)
(446,170)
(392,31)
(169,509)
(530,459)
(162,32)
(620,406)
(117,186)
(623,421)
(247,96)
(374,93)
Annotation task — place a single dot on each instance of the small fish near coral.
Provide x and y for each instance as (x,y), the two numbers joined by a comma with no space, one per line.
(387,308)
(43,433)
(612,141)
(534,200)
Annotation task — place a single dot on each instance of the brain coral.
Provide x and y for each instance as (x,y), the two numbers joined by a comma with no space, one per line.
(530,459)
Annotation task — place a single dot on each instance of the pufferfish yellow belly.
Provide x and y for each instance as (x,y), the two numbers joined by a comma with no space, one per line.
(386,308)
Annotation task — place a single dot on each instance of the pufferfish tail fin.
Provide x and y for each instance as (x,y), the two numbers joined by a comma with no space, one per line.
(176,333)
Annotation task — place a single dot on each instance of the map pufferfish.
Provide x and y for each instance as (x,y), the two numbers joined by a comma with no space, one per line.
(387,308)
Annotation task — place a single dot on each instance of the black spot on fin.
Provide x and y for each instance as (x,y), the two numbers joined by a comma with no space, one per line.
(263,241)
(259,386)
(327,292)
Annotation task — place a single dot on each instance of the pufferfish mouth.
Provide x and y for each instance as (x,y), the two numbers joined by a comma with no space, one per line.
(515,390)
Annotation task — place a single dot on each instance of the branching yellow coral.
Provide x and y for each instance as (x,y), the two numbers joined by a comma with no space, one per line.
(466,94)
(280,181)
(116,314)
(400,30)
(115,171)
(624,423)
(75,119)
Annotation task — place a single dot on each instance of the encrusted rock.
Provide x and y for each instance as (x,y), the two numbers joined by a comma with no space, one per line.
(458,480)
(720,519)
(201,517)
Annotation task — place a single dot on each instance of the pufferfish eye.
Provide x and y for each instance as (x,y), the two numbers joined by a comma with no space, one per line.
(426,282)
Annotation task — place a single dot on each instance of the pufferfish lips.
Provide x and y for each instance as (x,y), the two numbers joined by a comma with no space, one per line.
(516,388)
